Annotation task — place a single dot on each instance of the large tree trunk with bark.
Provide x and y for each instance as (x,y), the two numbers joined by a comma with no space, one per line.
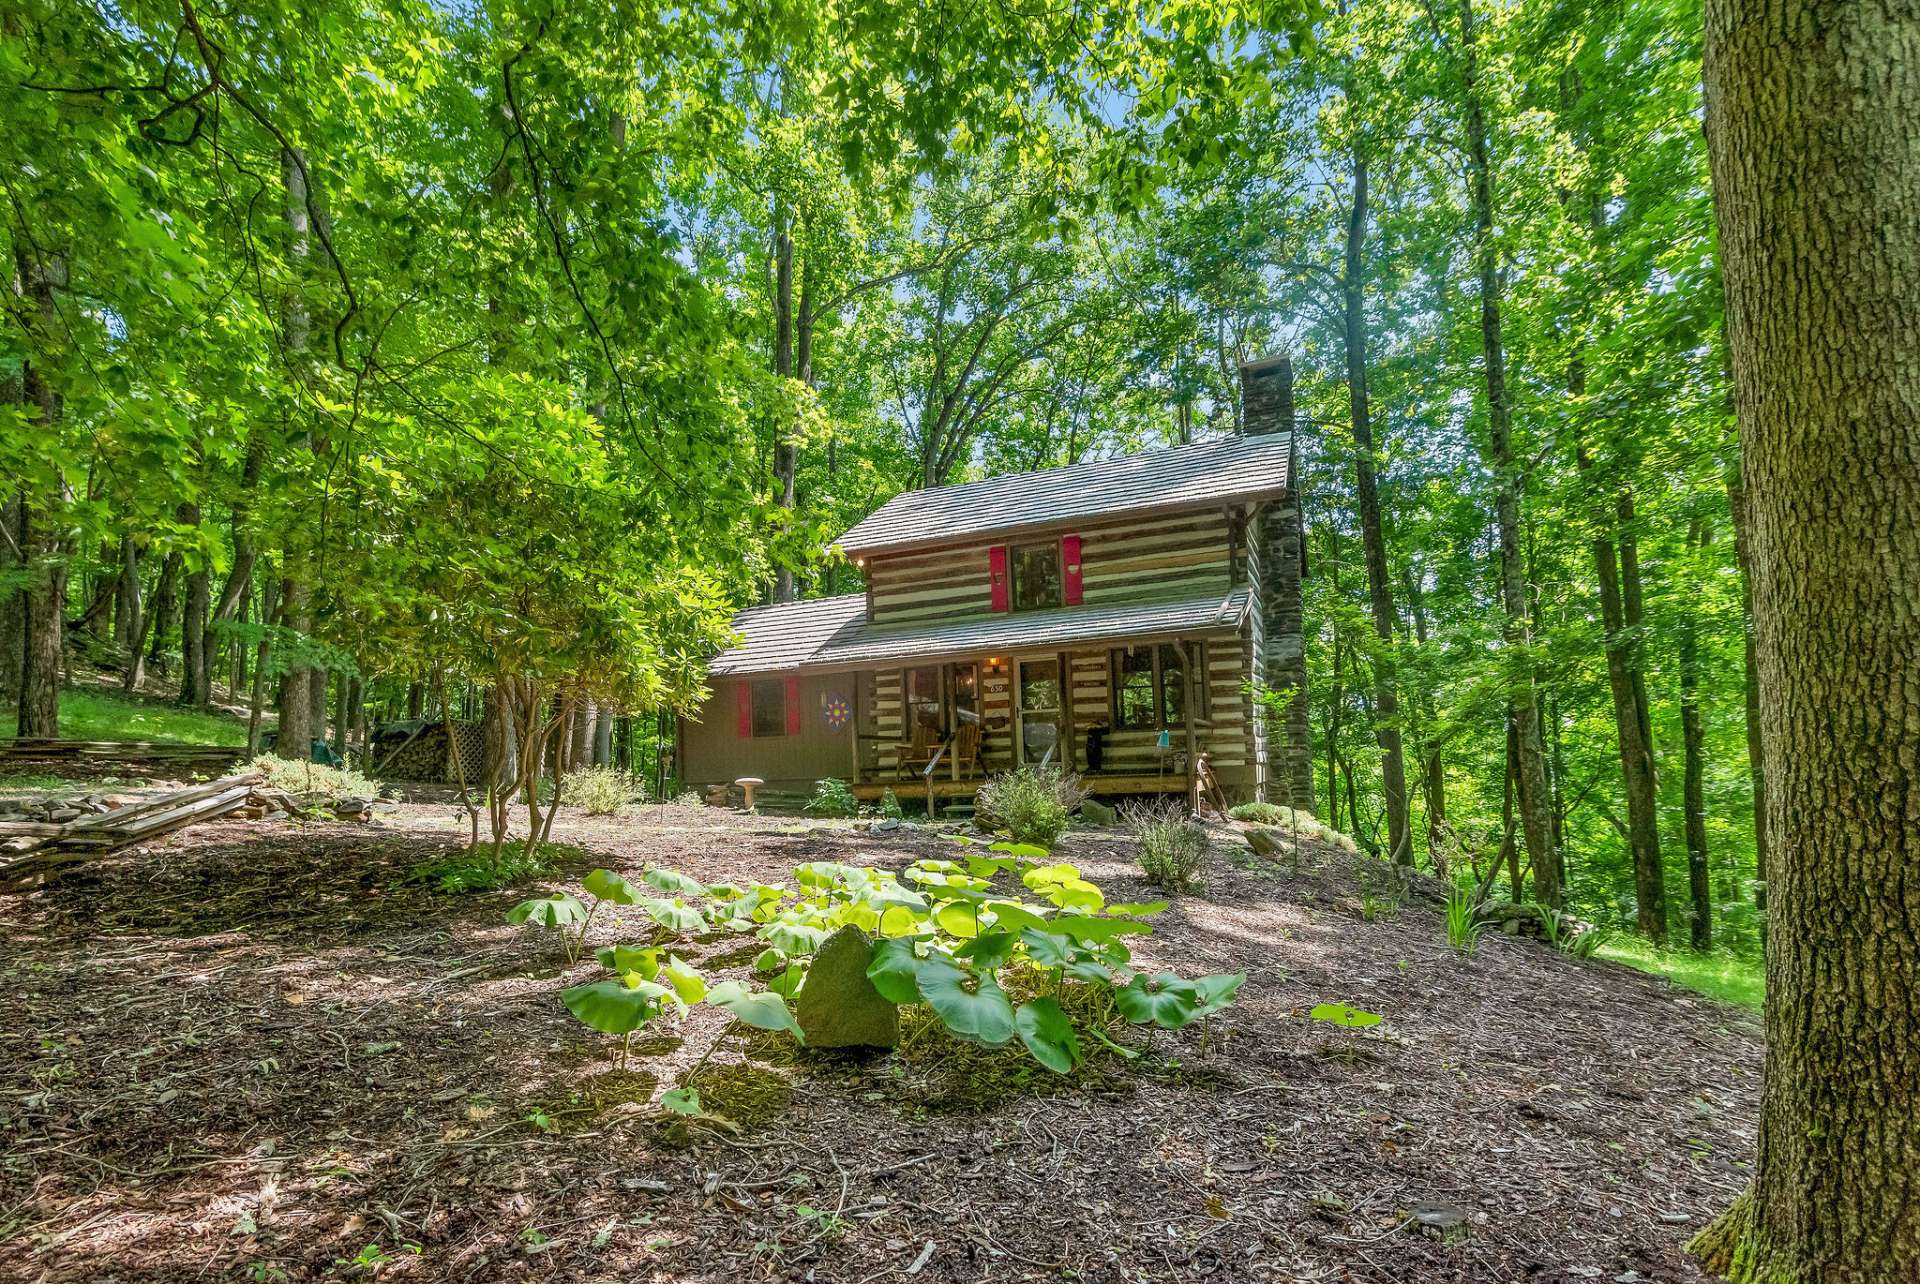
(1810,125)
(40,535)
(13,608)
(195,666)
(1536,801)
(1386,699)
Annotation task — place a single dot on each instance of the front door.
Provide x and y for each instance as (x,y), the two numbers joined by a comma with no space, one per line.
(1038,711)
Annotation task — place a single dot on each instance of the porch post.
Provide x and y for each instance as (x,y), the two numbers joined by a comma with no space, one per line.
(1193,761)
(853,728)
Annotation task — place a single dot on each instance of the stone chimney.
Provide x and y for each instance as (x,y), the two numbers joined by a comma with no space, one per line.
(1266,400)
(1266,396)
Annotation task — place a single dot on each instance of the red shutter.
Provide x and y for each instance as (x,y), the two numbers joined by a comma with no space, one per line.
(997,575)
(745,690)
(793,706)
(1070,569)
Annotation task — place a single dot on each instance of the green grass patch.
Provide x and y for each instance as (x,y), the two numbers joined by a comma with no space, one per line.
(1731,978)
(100,715)
(474,869)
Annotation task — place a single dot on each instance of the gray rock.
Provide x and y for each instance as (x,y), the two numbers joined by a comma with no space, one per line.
(1097,813)
(1264,842)
(838,1006)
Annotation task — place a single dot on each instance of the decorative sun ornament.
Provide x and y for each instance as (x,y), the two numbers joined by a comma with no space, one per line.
(834,709)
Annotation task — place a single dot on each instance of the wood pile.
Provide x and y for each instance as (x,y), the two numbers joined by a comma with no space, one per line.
(94,757)
(44,838)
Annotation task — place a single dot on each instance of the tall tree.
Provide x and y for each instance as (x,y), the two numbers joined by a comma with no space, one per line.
(1810,110)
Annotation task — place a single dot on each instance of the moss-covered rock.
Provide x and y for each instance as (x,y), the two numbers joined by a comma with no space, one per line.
(838,1006)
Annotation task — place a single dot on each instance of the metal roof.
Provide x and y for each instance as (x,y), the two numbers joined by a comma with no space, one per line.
(833,632)
(1205,473)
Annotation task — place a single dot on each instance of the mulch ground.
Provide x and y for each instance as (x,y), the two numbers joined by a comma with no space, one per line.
(257,1049)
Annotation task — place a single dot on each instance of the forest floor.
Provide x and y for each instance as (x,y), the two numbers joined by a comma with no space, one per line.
(260,1052)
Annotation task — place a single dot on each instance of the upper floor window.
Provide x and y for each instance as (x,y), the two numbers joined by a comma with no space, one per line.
(1036,576)
(1150,687)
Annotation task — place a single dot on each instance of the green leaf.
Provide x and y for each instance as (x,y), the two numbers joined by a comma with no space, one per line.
(1049,1036)
(989,950)
(672,880)
(978,1015)
(609,886)
(682,1101)
(787,983)
(1085,927)
(771,959)
(675,917)
(793,938)
(630,958)
(1022,851)
(1341,1015)
(763,1010)
(1217,992)
(1015,915)
(558,910)
(1163,1000)
(685,979)
(1050,949)
(615,1007)
(893,969)
(958,918)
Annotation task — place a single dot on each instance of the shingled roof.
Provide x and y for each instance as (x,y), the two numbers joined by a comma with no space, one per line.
(1204,474)
(833,633)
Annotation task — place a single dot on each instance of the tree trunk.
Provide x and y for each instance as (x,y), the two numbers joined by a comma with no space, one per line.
(603,738)
(137,624)
(1693,740)
(166,606)
(294,738)
(1536,818)
(1810,114)
(126,596)
(42,541)
(786,454)
(1386,701)
(270,610)
(1632,729)
(194,671)
(13,610)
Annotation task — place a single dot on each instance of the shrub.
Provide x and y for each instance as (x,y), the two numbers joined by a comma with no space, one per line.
(1172,847)
(315,782)
(602,791)
(890,805)
(1258,813)
(833,797)
(1031,803)
(475,870)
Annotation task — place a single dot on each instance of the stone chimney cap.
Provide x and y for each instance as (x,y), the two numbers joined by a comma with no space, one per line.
(1261,365)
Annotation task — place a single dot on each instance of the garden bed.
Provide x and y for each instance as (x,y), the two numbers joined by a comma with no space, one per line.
(261,1048)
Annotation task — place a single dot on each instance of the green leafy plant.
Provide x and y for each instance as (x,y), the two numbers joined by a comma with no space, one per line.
(1258,813)
(1463,930)
(476,869)
(833,797)
(646,981)
(1173,849)
(1032,803)
(314,782)
(561,912)
(602,791)
(890,805)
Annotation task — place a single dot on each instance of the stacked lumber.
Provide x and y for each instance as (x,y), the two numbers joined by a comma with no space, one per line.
(30,849)
(156,757)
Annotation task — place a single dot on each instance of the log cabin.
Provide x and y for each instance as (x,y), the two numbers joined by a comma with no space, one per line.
(1113,618)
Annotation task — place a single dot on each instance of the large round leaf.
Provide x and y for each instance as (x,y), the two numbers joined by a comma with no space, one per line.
(1085,927)
(1049,1036)
(898,920)
(558,910)
(686,981)
(1015,915)
(761,1010)
(989,950)
(1342,1015)
(675,917)
(615,1007)
(672,880)
(1163,1000)
(1216,992)
(893,969)
(609,886)
(622,959)
(959,918)
(793,938)
(980,1014)
(1050,949)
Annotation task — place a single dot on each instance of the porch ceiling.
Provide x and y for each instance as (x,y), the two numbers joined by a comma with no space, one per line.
(834,634)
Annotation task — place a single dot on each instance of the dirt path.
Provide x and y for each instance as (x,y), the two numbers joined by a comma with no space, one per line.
(259,1049)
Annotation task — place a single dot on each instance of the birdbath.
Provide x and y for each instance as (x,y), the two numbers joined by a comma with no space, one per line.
(746,784)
